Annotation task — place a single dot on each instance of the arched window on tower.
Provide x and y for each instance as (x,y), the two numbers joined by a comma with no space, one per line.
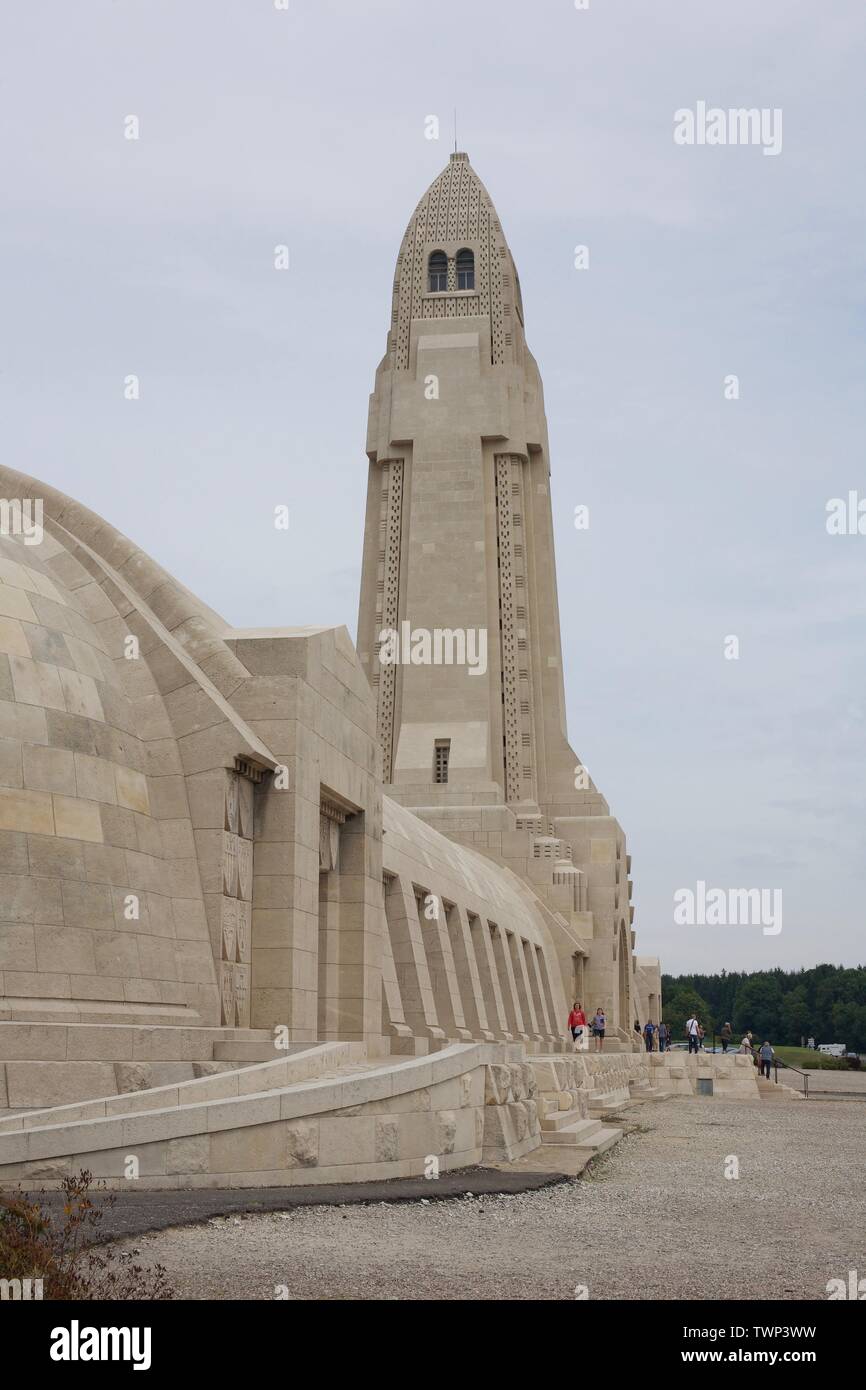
(465,270)
(437,268)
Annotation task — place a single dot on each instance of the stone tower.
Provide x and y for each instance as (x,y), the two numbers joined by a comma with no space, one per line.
(459,620)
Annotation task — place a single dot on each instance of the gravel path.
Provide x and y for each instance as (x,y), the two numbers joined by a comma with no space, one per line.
(656,1218)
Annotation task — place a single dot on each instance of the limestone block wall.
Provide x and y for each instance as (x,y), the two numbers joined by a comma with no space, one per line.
(562,1085)
(511,1114)
(251,1128)
(48,1064)
(135,773)
(193,832)
(282,1069)
(733,1074)
(612,1075)
(574,1082)
(648,989)
(317,910)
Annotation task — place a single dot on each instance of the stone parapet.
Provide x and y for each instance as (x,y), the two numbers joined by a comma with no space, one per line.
(734,1075)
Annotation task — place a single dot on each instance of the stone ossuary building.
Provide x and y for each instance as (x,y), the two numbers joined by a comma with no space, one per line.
(225,946)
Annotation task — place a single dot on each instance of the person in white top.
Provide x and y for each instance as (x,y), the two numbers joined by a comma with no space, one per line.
(693,1031)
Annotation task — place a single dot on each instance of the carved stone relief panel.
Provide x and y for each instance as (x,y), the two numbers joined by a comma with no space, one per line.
(228,995)
(232,796)
(244,939)
(236,900)
(242,995)
(245,869)
(229,927)
(230,864)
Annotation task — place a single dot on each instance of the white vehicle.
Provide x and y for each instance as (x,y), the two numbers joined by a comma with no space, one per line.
(832,1049)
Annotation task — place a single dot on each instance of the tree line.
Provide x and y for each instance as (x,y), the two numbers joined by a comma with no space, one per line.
(827,1003)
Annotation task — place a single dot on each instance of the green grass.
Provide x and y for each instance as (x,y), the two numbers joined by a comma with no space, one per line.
(809,1060)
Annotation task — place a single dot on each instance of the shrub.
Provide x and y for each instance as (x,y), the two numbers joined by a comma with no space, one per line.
(35,1244)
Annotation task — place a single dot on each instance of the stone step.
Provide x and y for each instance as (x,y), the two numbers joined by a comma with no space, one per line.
(605,1105)
(560,1119)
(768,1090)
(602,1137)
(651,1093)
(578,1132)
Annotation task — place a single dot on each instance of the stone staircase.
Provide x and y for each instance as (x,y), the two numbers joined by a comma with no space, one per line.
(587,1134)
(605,1103)
(769,1090)
(570,1112)
(641,1090)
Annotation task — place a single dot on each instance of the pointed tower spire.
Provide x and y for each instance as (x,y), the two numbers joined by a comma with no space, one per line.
(456,213)
(458,561)
(459,621)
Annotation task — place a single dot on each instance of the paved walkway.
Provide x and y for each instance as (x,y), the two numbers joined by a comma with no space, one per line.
(655,1219)
(137,1213)
(842,1083)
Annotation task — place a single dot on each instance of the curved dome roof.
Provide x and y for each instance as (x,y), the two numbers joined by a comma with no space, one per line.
(99,917)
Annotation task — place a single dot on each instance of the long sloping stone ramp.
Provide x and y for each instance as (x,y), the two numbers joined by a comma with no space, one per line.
(320,1116)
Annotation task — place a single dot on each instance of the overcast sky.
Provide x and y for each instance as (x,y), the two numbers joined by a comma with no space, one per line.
(261,127)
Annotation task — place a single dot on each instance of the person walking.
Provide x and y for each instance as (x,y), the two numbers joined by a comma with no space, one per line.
(648,1033)
(599,1023)
(746,1044)
(693,1033)
(726,1035)
(766,1055)
(664,1034)
(577,1024)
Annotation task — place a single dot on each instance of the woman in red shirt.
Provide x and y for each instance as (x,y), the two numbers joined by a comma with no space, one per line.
(577,1023)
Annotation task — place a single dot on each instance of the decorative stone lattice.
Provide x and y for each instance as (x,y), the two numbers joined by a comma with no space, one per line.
(387,614)
(236,903)
(450,307)
(548,847)
(455,211)
(516,687)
